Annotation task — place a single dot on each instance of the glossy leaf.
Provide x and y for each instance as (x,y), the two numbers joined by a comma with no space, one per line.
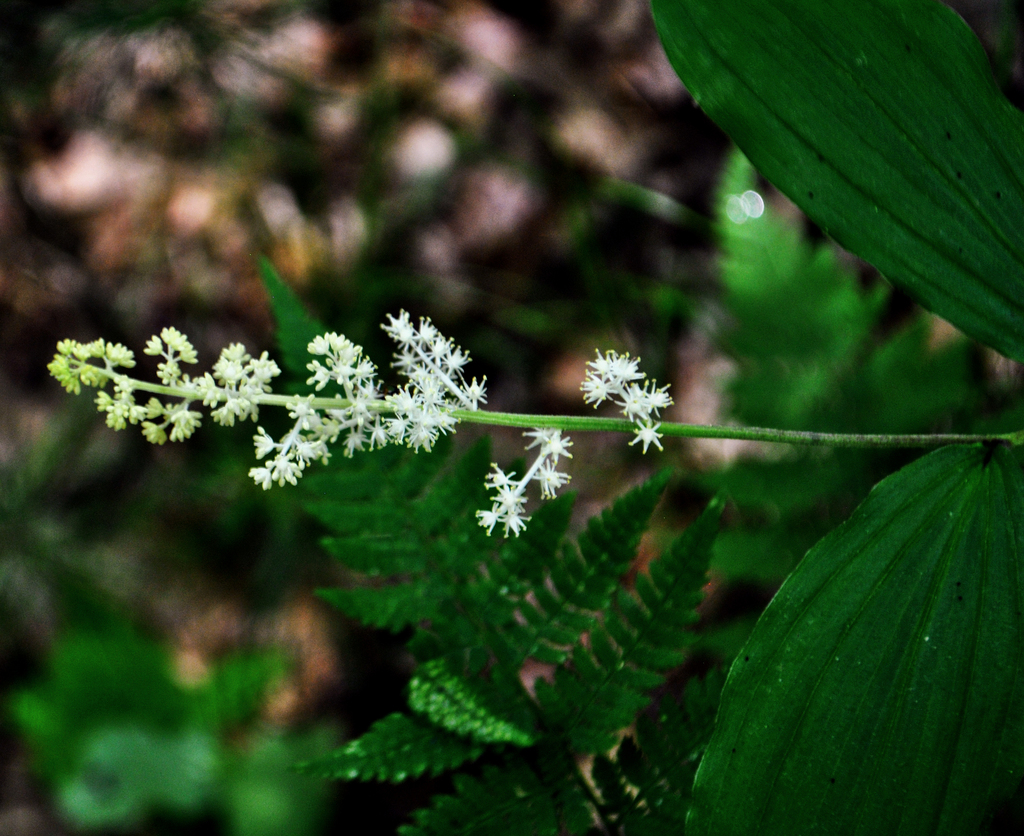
(882,122)
(882,691)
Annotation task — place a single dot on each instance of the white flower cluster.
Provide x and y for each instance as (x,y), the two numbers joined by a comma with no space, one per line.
(617,377)
(433,364)
(73,369)
(510,501)
(416,415)
(315,430)
(237,381)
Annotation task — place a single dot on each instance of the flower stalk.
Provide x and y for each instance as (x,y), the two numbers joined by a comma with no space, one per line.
(433,401)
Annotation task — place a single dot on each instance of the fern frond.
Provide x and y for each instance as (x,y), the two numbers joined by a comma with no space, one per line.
(295,327)
(236,689)
(367,504)
(509,799)
(455,497)
(395,748)
(470,706)
(641,637)
(364,502)
(537,604)
(526,559)
(612,537)
(647,782)
(414,527)
(393,607)
(560,772)
(373,554)
(570,588)
(673,745)
(480,616)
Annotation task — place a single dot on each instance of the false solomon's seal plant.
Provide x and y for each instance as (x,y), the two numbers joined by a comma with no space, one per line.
(882,690)
(432,402)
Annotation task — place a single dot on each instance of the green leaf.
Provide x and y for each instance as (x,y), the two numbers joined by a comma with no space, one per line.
(790,301)
(395,748)
(236,689)
(413,525)
(392,607)
(650,778)
(95,680)
(469,706)
(295,327)
(882,122)
(511,799)
(882,691)
(641,637)
(261,792)
(613,536)
(809,354)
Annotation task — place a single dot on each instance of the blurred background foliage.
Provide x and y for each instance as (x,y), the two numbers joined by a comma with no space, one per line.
(533,177)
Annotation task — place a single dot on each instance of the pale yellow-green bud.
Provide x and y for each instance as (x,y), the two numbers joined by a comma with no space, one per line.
(154,433)
(120,355)
(155,409)
(60,368)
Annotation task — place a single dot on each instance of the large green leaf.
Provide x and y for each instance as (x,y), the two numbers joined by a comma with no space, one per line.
(882,691)
(881,120)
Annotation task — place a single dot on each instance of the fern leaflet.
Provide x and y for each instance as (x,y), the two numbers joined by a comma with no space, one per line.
(646,786)
(509,799)
(395,748)
(492,621)
(469,705)
(641,637)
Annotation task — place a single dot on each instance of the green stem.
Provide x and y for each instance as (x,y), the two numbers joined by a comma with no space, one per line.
(573,423)
(582,423)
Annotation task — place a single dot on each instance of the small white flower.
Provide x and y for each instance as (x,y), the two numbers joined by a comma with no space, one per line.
(169,372)
(264,444)
(154,347)
(515,524)
(262,477)
(488,519)
(283,469)
(155,409)
(648,434)
(378,433)
(154,433)
(401,329)
(550,480)
(434,366)
(510,493)
(184,421)
(595,390)
(552,443)
(178,344)
(618,377)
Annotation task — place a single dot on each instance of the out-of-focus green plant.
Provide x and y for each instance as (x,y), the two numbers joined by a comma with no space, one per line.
(120,740)
(808,351)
